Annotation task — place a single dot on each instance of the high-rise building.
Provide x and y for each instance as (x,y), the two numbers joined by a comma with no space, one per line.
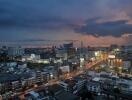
(68,45)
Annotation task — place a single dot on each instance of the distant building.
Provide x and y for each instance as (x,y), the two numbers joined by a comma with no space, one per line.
(113,46)
(68,45)
(70,50)
(61,53)
(15,51)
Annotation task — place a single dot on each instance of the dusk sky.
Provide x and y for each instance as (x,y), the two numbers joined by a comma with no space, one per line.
(96,22)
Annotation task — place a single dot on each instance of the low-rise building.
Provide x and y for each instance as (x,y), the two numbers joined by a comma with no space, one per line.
(94,87)
(73,85)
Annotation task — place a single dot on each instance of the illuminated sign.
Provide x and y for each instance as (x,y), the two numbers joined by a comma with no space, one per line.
(81,59)
(111,56)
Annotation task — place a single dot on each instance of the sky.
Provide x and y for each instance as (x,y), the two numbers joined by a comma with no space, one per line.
(95,22)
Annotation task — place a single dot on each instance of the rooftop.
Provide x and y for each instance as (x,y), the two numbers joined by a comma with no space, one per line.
(8,77)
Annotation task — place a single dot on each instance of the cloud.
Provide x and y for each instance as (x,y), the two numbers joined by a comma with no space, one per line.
(33,15)
(46,14)
(58,18)
(111,28)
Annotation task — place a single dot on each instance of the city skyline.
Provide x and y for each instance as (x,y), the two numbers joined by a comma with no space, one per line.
(98,22)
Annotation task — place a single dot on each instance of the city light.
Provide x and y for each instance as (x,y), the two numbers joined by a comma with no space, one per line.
(111,56)
(65,49)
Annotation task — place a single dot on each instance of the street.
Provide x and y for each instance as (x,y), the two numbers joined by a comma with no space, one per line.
(56,81)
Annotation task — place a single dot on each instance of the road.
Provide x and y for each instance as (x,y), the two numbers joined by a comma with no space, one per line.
(91,64)
(56,81)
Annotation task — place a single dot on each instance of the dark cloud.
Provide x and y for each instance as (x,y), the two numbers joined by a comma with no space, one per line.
(37,17)
(112,28)
(42,23)
(32,15)
(46,14)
